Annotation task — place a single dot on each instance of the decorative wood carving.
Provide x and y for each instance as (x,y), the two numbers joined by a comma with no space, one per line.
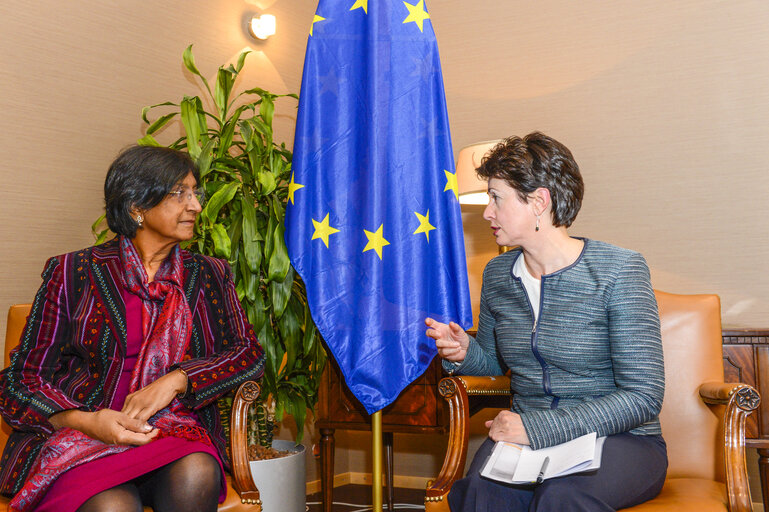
(241,470)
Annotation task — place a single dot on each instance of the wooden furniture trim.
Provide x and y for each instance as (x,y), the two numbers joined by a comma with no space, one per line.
(242,481)
(739,401)
(455,390)
(734,402)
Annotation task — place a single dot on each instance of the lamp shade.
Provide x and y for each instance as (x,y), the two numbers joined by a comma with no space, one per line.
(472,190)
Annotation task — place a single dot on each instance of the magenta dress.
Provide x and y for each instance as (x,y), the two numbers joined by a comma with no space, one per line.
(77,485)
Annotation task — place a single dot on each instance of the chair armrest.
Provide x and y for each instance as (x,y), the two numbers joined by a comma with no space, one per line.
(496,385)
(455,390)
(736,402)
(242,481)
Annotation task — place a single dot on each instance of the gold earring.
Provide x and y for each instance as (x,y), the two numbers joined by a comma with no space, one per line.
(140,219)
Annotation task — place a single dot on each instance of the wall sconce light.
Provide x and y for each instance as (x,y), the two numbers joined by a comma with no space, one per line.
(262,27)
(472,190)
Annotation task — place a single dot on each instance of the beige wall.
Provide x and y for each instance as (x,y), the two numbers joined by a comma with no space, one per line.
(75,77)
(664,105)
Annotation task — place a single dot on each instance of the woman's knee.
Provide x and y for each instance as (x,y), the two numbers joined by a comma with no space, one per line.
(123,498)
(189,484)
(198,469)
(566,495)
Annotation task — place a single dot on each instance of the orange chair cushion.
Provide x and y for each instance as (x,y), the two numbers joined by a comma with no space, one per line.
(686,495)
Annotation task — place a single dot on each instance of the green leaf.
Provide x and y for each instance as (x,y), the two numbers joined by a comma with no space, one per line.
(189,63)
(95,225)
(221,241)
(309,338)
(261,128)
(160,122)
(191,125)
(267,109)
(259,309)
(252,285)
(241,60)
(100,235)
(256,90)
(267,182)
(145,110)
(229,131)
(206,157)
(289,328)
(280,292)
(220,198)
(252,247)
(279,261)
(148,140)
(247,134)
(269,241)
(273,356)
(224,81)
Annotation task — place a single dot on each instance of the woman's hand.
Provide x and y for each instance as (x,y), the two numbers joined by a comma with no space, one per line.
(143,403)
(507,426)
(106,425)
(450,340)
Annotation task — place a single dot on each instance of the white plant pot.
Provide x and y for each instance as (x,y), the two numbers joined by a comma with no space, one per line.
(281,482)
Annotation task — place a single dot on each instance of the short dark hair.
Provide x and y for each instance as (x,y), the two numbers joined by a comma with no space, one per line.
(535,161)
(141,177)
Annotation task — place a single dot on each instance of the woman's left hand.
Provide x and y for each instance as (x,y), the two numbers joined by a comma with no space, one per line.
(143,403)
(507,426)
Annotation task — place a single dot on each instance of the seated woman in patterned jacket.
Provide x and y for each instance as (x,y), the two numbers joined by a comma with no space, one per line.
(576,323)
(111,392)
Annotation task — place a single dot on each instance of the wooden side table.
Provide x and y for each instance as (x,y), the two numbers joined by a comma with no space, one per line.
(418,410)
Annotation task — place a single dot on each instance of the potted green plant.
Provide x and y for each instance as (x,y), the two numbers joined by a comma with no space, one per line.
(245,174)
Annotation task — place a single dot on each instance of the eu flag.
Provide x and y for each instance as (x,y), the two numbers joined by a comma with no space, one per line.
(373,224)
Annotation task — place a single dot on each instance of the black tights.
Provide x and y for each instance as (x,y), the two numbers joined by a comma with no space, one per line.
(191,483)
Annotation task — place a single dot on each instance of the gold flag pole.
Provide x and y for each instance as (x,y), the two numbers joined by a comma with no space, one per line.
(376,473)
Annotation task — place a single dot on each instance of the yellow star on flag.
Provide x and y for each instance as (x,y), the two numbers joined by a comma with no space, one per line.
(417,13)
(314,21)
(375,241)
(451,183)
(293,187)
(323,230)
(360,4)
(424,224)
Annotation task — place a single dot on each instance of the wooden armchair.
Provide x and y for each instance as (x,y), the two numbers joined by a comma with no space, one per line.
(242,494)
(703,418)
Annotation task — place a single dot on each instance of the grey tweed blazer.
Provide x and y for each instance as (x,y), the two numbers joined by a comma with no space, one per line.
(592,363)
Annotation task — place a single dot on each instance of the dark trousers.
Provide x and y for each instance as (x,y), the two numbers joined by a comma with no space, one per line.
(632,471)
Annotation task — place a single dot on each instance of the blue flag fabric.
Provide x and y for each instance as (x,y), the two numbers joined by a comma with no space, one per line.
(373,224)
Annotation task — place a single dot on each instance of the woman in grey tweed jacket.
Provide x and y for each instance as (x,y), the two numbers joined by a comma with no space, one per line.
(575,321)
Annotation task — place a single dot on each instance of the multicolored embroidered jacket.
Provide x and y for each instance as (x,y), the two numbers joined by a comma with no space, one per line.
(73,346)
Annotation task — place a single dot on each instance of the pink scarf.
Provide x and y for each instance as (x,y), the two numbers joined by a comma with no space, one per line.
(166,326)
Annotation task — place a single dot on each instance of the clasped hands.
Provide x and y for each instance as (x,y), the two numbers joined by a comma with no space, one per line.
(128,426)
(452,343)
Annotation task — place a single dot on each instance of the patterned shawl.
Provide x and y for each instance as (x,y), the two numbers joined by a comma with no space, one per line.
(166,326)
